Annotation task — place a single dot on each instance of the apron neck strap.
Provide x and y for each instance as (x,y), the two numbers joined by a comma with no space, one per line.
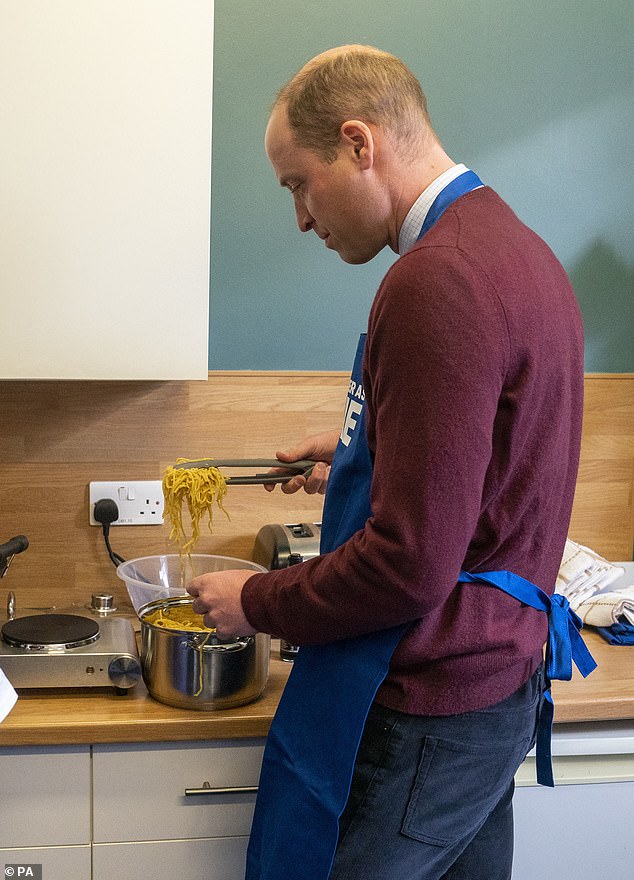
(459,186)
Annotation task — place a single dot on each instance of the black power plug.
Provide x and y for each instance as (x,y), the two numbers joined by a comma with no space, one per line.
(107,512)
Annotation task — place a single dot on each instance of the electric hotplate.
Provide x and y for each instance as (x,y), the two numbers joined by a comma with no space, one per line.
(69,650)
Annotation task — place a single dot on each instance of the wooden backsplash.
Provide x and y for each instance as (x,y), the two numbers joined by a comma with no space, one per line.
(58,436)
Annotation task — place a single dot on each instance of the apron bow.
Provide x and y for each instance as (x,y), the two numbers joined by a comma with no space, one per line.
(565,644)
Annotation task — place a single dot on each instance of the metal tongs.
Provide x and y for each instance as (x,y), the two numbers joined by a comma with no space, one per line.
(298,468)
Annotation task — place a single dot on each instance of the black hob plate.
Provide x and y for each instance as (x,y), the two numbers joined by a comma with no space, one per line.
(50,630)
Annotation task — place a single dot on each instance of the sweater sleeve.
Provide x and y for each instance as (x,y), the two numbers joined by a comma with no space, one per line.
(434,366)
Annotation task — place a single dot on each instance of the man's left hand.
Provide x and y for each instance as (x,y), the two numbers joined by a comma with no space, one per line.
(217,596)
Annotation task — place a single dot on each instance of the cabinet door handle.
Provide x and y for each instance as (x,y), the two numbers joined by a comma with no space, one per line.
(207,789)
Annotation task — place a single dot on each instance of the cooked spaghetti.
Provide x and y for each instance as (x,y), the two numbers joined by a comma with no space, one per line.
(200,488)
(180,617)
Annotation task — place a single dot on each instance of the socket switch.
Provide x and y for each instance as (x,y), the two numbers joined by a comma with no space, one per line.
(140,502)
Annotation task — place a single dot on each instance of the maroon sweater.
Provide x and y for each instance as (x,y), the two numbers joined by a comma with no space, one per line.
(473,377)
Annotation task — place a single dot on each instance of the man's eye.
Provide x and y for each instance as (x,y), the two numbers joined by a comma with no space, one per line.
(293,187)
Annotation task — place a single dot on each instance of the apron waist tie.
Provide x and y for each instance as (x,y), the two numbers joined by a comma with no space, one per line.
(564,647)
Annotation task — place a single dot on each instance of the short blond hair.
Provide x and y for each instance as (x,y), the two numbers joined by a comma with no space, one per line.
(355,82)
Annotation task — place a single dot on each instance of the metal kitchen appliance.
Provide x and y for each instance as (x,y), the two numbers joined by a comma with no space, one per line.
(198,669)
(278,546)
(68,650)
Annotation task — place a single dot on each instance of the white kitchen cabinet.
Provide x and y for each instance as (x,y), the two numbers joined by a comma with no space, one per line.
(223,858)
(130,810)
(574,832)
(167,823)
(105,170)
(152,779)
(45,810)
(45,797)
(58,862)
(581,829)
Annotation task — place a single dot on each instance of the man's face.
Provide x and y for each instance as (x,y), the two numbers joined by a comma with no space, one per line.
(339,201)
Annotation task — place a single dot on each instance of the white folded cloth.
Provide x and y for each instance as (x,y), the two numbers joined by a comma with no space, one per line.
(583,573)
(604,609)
(8,696)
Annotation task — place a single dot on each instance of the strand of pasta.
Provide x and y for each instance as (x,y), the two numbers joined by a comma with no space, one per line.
(200,665)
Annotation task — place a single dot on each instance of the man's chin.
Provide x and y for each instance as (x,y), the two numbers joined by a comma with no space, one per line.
(356,259)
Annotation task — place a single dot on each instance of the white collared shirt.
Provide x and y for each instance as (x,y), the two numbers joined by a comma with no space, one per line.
(412,225)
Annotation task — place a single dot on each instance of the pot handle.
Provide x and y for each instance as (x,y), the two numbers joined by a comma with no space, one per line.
(206,789)
(197,643)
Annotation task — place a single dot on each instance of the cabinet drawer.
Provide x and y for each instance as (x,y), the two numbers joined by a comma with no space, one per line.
(220,859)
(45,796)
(139,790)
(58,862)
(593,823)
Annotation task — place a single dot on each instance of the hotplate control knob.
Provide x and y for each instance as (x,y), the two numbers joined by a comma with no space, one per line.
(124,671)
(102,603)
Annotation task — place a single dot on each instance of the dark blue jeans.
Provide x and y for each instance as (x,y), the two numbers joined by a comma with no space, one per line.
(431,797)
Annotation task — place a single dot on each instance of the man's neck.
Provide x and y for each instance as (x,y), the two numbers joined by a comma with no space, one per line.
(415,180)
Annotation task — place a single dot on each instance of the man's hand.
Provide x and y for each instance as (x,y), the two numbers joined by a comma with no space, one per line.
(319,448)
(217,596)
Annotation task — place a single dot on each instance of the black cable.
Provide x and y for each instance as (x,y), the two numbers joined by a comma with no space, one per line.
(115,558)
(106,512)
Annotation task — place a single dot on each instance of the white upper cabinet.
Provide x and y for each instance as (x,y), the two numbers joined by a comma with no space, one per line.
(105,175)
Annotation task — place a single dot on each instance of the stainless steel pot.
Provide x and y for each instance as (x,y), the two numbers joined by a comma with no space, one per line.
(195,670)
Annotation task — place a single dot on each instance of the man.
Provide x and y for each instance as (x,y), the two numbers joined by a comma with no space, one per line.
(457,458)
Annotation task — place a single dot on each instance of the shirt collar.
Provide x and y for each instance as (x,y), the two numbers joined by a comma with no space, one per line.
(410,230)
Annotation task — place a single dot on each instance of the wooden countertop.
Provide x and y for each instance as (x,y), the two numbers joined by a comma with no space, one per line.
(607,694)
(99,715)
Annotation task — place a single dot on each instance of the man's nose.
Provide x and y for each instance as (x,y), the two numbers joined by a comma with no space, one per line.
(304,219)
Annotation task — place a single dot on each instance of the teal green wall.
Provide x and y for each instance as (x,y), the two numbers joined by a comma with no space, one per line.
(535,96)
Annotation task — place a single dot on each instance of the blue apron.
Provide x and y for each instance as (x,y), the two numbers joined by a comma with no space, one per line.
(314,738)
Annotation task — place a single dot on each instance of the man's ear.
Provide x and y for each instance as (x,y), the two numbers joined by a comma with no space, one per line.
(357,137)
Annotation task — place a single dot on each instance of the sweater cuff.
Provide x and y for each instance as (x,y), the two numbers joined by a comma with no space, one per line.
(253,610)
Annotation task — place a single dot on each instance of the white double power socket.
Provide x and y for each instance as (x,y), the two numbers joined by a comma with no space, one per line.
(140,502)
